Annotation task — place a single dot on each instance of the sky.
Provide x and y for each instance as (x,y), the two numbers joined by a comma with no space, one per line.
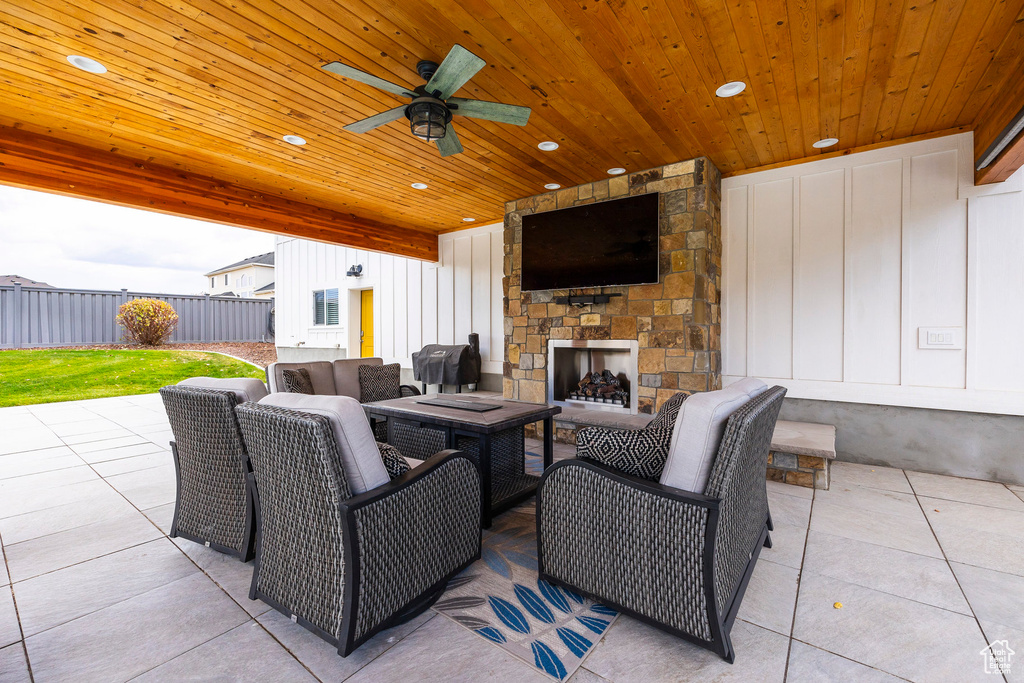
(79,244)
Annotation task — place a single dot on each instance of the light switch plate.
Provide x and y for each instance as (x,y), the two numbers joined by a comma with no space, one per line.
(949,338)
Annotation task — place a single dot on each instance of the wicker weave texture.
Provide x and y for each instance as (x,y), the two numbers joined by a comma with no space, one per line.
(300,485)
(738,478)
(211,502)
(416,442)
(410,540)
(629,546)
(508,453)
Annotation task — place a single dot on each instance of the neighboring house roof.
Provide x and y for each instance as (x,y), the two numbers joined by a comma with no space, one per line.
(8,280)
(261,260)
(225,294)
(266,288)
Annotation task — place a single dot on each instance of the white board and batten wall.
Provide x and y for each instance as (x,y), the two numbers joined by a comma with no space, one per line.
(415,302)
(835,271)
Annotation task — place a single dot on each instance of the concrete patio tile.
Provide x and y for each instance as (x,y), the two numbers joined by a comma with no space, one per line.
(1015,639)
(770,599)
(978,535)
(115,434)
(892,531)
(899,636)
(35,462)
(111,468)
(586,676)
(995,597)
(107,444)
(144,448)
(13,665)
(871,499)
(789,510)
(162,516)
(104,504)
(244,654)
(94,426)
(147,488)
(10,632)
(789,489)
(974,491)
(322,658)
(632,651)
(908,575)
(787,545)
(872,476)
(465,657)
(809,664)
(230,573)
(5,578)
(19,501)
(63,549)
(58,597)
(29,440)
(136,635)
(1019,494)
(162,438)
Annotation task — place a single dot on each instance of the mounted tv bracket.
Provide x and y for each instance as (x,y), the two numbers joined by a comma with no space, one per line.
(585,299)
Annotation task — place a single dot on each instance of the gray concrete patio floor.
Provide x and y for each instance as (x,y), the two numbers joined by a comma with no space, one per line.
(929,569)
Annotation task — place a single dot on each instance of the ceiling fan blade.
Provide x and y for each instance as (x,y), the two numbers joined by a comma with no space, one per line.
(449,144)
(458,67)
(363,77)
(377,120)
(490,111)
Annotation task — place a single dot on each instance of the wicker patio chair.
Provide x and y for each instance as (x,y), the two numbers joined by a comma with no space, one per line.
(347,566)
(213,505)
(671,558)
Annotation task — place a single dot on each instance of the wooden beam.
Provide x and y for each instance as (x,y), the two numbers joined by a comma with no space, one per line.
(38,162)
(1003,106)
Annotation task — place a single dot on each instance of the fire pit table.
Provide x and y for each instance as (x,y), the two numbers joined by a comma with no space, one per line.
(494,438)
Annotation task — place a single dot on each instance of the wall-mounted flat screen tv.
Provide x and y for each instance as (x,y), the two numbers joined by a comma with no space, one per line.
(594,245)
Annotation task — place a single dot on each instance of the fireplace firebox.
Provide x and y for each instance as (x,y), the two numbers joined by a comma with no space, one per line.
(593,374)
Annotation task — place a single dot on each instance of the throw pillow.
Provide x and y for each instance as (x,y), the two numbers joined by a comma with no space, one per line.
(666,417)
(297,381)
(394,463)
(639,452)
(379,382)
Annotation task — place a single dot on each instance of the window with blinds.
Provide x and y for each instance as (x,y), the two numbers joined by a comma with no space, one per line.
(325,307)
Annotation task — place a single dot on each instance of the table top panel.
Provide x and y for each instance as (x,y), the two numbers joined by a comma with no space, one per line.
(510,414)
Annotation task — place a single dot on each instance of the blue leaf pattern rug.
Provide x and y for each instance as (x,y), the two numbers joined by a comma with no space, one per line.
(501,599)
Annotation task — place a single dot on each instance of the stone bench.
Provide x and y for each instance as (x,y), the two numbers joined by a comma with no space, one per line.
(802,454)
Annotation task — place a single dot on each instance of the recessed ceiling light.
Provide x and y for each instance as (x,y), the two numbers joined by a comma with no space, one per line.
(86,64)
(827,142)
(552,186)
(731,89)
(419,186)
(294,140)
(468,220)
(616,171)
(548,146)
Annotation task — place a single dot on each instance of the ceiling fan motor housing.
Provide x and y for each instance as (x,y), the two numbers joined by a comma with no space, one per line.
(426,69)
(428,118)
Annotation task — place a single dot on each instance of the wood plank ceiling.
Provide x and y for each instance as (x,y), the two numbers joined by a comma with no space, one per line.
(209,87)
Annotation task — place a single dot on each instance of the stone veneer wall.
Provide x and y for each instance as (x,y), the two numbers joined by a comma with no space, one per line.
(676,322)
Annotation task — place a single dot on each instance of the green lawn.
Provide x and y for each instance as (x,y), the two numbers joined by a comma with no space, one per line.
(30,376)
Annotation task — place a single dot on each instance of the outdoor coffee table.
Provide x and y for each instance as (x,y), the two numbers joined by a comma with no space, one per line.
(494,439)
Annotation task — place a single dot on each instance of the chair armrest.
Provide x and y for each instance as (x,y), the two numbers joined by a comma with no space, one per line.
(636,544)
(408,390)
(410,535)
(639,452)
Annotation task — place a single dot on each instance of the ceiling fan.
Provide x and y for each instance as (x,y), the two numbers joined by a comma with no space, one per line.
(432,107)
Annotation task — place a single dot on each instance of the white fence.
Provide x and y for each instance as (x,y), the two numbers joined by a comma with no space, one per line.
(37,317)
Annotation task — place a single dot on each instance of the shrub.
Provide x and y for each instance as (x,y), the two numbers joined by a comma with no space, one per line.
(147,321)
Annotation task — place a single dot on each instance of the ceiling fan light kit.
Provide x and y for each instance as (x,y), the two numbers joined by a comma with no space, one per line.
(432,107)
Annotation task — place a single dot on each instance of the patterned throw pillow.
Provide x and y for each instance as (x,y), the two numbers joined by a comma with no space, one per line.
(297,381)
(394,463)
(639,452)
(379,382)
(666,417)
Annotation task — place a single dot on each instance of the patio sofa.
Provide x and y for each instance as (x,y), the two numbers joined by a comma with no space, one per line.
(342,548)
(677,552)
(212,505)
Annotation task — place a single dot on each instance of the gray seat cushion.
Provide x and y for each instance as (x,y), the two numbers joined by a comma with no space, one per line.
(321,375)
(697,435)
(751,386)
(357,448)
(244,388)
(346,375)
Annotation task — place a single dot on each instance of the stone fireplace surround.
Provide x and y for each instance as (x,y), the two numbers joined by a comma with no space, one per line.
(676,322)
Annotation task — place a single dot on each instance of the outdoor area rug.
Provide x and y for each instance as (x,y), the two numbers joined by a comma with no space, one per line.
(501,599)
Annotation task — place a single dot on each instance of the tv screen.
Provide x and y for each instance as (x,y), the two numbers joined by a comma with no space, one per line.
(595,245)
